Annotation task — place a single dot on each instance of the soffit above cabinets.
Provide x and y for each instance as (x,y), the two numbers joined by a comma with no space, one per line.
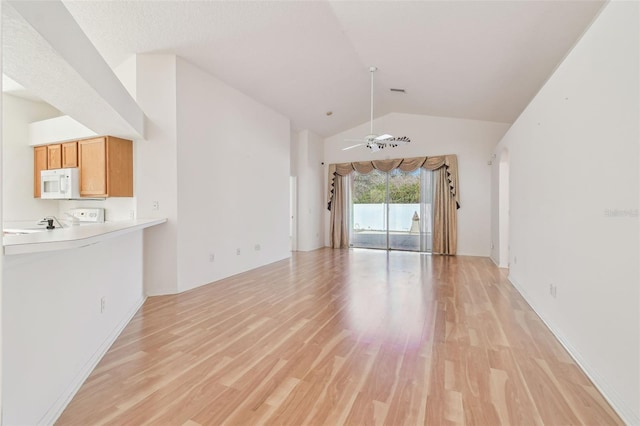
(46,52)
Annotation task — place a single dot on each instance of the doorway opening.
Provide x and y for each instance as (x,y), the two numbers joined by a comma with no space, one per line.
(503,209)
(293,213)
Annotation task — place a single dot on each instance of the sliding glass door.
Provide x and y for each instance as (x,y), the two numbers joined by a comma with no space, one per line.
(369,210)
(392,211)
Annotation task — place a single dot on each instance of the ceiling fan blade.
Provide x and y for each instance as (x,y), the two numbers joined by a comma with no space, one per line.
(383,137)
(355,140)
(400,140)
(353,146)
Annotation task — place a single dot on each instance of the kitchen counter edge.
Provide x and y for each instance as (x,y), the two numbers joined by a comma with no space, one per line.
(73,236)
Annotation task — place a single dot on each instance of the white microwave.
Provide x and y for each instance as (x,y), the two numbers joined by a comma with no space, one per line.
(60,184)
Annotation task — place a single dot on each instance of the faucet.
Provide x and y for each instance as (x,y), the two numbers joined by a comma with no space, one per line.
(49,222)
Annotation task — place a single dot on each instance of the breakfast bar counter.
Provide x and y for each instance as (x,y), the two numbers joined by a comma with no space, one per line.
(67,293)
(72,236)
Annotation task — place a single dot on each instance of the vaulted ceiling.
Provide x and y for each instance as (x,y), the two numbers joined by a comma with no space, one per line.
(481,60)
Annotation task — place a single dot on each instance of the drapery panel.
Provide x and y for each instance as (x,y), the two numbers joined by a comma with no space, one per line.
(446,202)
(339,223)
(445,218)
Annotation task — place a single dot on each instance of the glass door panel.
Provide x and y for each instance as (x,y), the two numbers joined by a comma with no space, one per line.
(405,214)
(369,210)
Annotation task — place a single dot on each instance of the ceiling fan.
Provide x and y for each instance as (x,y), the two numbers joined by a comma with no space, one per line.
(377,142)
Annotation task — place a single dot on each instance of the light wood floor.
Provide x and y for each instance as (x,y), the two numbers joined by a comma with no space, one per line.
(342,337)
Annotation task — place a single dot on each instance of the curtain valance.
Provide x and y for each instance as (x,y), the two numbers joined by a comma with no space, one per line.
(449,162)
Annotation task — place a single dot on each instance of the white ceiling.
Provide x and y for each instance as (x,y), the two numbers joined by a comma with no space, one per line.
(481,60)
(14,88)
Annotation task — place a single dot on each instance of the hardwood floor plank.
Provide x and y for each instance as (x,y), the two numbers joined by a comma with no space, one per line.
(382,377)
(334,406)
(548,398)
(402,407)
(338,337)
(362,411)
(480,412)
(520,406)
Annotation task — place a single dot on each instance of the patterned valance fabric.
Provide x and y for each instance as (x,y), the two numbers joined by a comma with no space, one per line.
(450,162)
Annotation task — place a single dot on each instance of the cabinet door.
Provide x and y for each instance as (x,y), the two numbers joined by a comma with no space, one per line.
(39,164)
(54,156)
(93,170)
(70,154)
(119,167)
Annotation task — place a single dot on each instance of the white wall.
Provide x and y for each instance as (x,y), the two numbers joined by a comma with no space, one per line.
(53,330)
(574,190)
(17,175)
(495,210)
(293,191)
(472,141)
(233,180)
(156,172)
(293,150)
(127,74)
(58,129)
(500,208)
(310,191)
(1,207)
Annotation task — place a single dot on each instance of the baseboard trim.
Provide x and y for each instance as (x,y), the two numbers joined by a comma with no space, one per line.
(607,391)
(61,403)
(495,262)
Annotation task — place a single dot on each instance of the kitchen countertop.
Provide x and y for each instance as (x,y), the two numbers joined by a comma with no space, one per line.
(72,236)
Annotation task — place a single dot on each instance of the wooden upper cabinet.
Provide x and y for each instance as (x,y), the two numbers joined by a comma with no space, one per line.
(70,154)
(106,167)
(93,167)
(54,156)
(39,164)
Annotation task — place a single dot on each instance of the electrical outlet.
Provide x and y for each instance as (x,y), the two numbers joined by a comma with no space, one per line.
(132,214)
(553,290)
(212,257)
(103,304)
(257,247)
(155,205)
(238,252)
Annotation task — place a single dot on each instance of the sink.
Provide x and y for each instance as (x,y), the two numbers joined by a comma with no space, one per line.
(23,231)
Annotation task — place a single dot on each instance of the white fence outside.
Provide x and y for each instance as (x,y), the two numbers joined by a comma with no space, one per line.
(373,217)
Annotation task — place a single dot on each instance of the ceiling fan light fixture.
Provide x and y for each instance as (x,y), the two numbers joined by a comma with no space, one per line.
(383,137)
(374,147)
(377,142)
